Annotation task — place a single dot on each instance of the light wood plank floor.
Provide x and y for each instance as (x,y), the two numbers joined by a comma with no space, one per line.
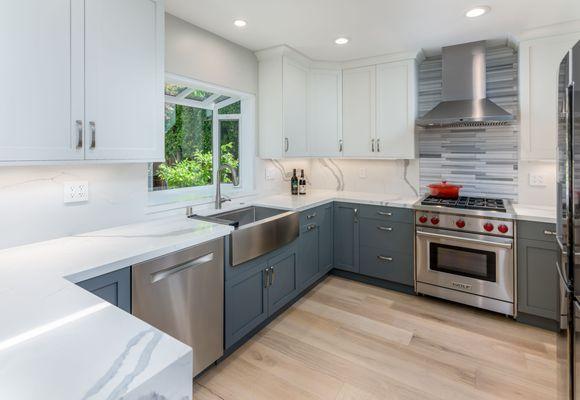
(346,340)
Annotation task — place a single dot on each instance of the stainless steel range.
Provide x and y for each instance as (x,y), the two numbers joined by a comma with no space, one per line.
(465,251)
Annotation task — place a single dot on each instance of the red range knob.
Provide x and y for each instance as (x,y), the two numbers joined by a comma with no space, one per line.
(488,227)
(460,223)
(503,228)
(434,220)
(422,219)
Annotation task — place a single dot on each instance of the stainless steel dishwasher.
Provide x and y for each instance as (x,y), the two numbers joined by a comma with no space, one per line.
(182,294)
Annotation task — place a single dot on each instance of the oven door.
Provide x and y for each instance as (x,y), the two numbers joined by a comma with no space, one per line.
(466,262)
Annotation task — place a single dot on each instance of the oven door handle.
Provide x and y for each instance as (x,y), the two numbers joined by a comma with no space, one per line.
(468,240)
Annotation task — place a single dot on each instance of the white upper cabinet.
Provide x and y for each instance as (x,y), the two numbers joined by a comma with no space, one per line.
(41,81)
(124,79)
(539,67)
(325,113)
(295,92)
(396,110)
(358,111)
(71,65)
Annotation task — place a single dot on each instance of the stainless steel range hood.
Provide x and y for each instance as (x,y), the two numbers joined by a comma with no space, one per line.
(464,99)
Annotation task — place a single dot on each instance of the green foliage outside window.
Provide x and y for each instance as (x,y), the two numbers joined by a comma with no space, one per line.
(188,147)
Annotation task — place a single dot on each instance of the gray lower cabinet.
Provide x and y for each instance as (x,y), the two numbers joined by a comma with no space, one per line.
(538,286)
(114,287)
(346,237)
(315,253)
(265,285)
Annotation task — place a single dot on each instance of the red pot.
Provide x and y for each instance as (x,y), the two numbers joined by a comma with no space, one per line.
(444,190)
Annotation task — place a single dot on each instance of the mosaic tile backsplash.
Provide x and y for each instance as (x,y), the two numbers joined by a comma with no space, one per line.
(484,160)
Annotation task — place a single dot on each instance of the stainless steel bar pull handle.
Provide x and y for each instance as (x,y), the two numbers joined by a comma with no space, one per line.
(272,276)
(355,215)
(286,144)
(164,273)
(373,145)
(93,134)
(267,277)
(466,240)
(79,133)
(385,228)
(384,213)
(311,216)
(379,145)
(340,142)
(311,227)
(385,258)
(549,233)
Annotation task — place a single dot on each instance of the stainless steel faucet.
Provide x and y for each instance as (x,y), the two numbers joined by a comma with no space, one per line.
(219,200)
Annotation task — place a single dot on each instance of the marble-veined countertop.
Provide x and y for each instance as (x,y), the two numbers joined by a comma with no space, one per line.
(58,341)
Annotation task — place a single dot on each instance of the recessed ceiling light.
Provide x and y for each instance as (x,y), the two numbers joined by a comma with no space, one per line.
(240,23)
(341,40)
(477,11)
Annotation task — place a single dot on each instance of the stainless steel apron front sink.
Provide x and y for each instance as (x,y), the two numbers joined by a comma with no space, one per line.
(258,230)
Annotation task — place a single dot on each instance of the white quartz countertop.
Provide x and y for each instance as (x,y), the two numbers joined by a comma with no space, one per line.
(58,341)
(535,213)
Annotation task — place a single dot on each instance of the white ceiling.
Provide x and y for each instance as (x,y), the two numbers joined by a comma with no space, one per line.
(374,27)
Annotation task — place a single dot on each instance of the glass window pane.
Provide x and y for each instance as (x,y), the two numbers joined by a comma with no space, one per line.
(188,149)
(198,95)
(230,146)
(220,99)
(172,89)
(234,108)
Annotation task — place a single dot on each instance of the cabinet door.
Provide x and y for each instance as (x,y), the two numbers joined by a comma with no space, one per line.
(358,108)
(346,237)
(396,110)
(295,78)
(41,80)
(538,286)
(539,67)
(307,269)
(246,304)
(114,287)
(282,287)
(124,79)
(325,239)
(324,113)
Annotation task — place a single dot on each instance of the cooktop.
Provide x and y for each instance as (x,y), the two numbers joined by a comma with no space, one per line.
(465,202)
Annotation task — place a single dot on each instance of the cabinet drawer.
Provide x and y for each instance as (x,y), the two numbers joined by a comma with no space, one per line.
(387,213)
(389,265)
(387,235)
(537,231)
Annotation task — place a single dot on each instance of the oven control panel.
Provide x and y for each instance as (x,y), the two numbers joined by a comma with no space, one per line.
(467,223)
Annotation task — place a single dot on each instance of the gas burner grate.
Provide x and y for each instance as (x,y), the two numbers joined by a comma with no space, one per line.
(470,203)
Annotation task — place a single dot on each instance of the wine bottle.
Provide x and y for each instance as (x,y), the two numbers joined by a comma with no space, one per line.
(302,183)
(294,183)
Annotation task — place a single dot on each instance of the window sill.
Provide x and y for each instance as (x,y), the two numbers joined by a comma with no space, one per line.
(176,200)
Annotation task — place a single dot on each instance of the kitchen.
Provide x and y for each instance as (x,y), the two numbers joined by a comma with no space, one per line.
(248,199)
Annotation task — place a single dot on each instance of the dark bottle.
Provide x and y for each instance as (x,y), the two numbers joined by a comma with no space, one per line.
(294,183)
(302,183)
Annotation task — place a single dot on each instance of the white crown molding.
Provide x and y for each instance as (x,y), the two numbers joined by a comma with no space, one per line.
(547,31)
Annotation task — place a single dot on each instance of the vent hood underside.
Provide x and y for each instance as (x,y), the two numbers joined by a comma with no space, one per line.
(459,113)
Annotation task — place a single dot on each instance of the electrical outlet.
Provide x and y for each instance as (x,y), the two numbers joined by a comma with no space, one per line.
(362,173)
(536,180)
(270,173)
(76,192)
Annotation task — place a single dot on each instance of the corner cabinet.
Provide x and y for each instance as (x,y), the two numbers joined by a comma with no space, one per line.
(539,61)
(93,88)
(299,106)
(114,287)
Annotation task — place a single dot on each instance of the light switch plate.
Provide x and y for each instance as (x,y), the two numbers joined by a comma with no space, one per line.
(76,192)
(536,180)
(362,173)
(270,173)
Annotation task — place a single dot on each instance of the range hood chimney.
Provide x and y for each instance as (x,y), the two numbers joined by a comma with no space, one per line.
(464,99)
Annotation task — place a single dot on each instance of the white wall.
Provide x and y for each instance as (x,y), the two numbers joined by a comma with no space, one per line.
(199,54)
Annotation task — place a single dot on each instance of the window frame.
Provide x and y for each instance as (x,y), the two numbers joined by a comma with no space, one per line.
(197,195)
